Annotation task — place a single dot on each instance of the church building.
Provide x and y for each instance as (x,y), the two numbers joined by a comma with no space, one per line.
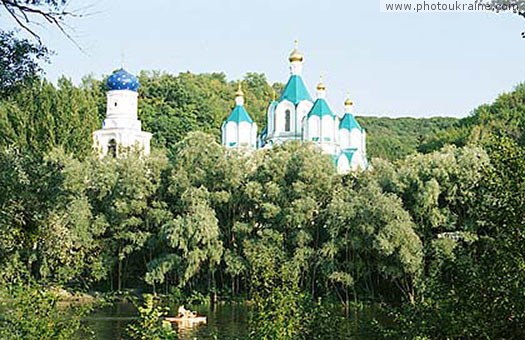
(296,116)
(121,129)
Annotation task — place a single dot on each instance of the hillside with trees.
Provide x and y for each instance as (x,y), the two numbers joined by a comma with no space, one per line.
(42,115)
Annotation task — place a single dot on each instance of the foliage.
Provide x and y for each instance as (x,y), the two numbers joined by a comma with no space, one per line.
(33,312)
(396,138)
(504,117)
(40,117)
(19,62)
(151,324)
(373,246)
(434,236)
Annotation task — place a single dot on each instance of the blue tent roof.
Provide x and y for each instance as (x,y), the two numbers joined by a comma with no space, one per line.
(239,114)
(295,91)
(320,109)
(122,80)
(349,122)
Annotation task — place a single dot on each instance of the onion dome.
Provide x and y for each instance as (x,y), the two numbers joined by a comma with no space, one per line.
(122,80)
(348,120)
(296,55)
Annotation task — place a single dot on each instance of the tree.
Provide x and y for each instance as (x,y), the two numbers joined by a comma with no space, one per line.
(39,117)
(19,61)
(373,247)
(124,196)
(191,239)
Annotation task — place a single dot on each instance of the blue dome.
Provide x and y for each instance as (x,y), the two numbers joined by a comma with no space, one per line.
(123,80)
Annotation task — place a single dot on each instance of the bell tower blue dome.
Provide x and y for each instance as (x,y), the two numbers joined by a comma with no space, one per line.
(122,80)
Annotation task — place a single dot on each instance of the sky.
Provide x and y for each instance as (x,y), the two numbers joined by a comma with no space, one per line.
(390,64)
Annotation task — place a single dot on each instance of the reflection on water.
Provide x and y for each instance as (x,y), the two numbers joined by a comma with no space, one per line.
(226,322)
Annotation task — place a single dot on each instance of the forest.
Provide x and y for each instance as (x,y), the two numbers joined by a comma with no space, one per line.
(432,233)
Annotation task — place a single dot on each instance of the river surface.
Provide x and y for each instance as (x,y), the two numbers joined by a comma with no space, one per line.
(226,322)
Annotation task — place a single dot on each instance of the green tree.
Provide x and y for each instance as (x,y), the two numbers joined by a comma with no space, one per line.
(19,62)
(124,195)
(373,247)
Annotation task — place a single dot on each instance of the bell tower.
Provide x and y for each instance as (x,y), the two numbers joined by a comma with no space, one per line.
(121,128)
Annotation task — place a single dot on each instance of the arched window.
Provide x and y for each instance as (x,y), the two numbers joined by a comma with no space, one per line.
(112,148)
(287,120)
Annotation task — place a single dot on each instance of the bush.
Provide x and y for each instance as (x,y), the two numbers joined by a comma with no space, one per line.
(151,324)
(33,312)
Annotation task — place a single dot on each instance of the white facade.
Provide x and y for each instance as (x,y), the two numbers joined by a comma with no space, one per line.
(121,128)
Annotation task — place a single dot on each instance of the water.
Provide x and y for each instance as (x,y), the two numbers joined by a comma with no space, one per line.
(226,322)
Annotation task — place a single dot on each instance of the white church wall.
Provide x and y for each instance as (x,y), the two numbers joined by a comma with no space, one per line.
(327,129)
(343,166)
(245,134)
(122,103)
(231,134)
(253,139)
(270,120)
(344,138)
(363,143)
(280,115)
(358,161)
(355,138)
(313,128)
(302,110)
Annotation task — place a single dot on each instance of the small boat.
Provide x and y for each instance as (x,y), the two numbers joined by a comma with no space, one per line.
(185,323)
(185,320)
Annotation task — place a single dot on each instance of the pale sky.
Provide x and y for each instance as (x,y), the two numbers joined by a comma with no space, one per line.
(403,64)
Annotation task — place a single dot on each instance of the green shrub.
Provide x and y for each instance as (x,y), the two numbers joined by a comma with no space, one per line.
(151,324)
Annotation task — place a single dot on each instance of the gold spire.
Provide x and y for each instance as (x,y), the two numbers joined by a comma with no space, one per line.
(239,92)
(321,86)
(348,102)
(296,55)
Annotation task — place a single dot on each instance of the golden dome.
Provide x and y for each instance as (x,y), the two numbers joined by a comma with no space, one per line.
(296,55)
(348,102)
(239,92)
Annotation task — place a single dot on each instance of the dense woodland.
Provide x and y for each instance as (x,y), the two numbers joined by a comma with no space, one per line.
(431,235)
(433,231)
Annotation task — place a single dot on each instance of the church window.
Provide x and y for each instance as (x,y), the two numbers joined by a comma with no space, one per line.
(287,120)
(115,104)
(112,148)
